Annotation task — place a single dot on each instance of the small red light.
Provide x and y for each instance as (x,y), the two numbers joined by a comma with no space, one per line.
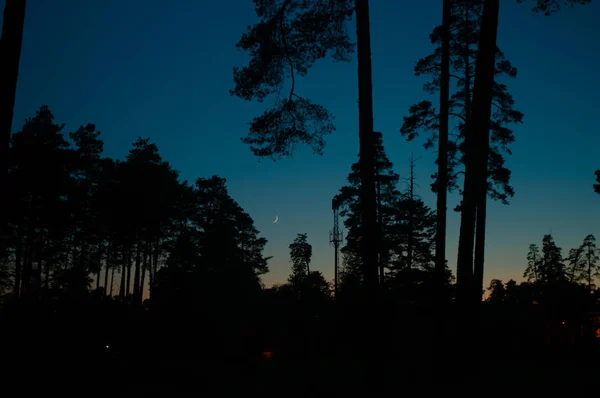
(267,354)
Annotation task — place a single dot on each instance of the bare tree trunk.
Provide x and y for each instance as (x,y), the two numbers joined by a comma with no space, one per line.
(441,187)
(535,268)
(155,263)
(27,259)
(136,277)
(68,250)
(123,273)
(18,256)
(128,285)
(367,194)
(477,148)
(368,202)
(379,224)
(482,112)
(479,247)
(150,269)
(411,215)
(589,270)
(40,259)
(467,127)
(47,277)
(112,279)
(144,266)
(10,54)
(106,268)
(442,179)
(464,268)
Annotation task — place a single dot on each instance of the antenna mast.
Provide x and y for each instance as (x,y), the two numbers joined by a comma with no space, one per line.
(335,238)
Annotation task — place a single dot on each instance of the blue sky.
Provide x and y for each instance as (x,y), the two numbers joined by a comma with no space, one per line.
(163,70)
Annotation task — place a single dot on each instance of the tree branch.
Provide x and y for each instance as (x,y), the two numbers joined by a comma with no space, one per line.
(289,58)
(457,77)
(458,116)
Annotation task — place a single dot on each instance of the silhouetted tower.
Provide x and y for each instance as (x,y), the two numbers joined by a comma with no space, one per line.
(335,238)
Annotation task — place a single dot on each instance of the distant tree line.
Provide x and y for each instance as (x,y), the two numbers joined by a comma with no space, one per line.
(551,278)
(127,229)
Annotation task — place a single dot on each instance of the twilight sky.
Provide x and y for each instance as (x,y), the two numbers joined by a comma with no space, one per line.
(163,70)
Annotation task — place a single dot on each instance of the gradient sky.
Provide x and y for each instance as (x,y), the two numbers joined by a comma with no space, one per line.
(163,70)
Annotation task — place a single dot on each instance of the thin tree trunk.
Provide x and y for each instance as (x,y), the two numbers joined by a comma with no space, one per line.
(39,260)
(155,262)
(123,273)
(479,247)
(368,204)
(18,256)
(10,54)
(482,111)
(589,270)
(468,117)
(464,268)
(29,266)
(26,276)
(136,277)
(128,286)
(112,279)
(150,269)
(143,279)
(98,276)
(68,250)
(47,277)
(106,268)
(442,179)
(411,215)
(379,224)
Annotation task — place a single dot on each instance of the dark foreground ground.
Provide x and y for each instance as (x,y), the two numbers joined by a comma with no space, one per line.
(412,353)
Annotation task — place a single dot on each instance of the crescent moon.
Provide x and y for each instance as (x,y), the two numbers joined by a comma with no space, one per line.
(276,219)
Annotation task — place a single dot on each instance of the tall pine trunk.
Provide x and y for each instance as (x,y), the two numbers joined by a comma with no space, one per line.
(439,287)
(476,149)
(10,54)
(442,178)
(411,214)
(367,194)
(379,226)
(482,112)
(479,246)
(464,267)
(368,204)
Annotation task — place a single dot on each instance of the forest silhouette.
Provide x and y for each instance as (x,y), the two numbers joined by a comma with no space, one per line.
(134,278)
